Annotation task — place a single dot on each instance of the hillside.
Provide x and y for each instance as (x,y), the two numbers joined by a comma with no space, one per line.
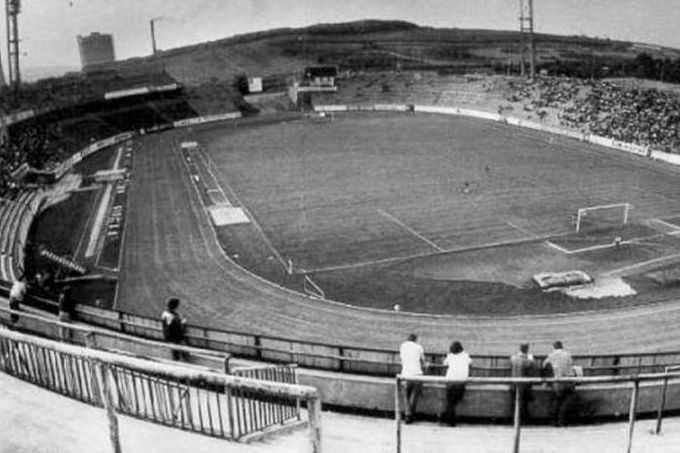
(367,45)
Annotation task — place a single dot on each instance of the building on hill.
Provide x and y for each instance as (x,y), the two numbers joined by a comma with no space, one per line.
(320,76)
(95,49)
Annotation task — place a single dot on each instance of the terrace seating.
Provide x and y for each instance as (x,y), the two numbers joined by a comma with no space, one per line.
(13,230)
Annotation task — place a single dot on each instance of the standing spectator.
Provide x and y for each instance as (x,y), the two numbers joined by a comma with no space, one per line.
(562,366)
(16,297)
(412,365)
(522,365)
(173,327)
(66,311)
(458,362)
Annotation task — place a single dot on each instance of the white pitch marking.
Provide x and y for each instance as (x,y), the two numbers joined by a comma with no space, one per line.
(558,248)
(522,230)
(410,230)
(641,264)
(99,221)
(676,228)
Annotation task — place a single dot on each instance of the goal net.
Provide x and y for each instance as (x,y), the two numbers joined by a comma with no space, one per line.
(603,217)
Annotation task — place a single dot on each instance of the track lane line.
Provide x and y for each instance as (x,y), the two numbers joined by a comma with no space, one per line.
(210,163)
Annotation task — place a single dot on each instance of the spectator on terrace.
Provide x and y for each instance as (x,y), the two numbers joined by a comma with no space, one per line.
(562,366)
(66,312)
(412,365)
(458,362)
(174,327)
(16,297)
(522,365)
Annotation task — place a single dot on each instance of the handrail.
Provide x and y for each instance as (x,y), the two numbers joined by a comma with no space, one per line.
(515,382)
(257,340)
(647,377)
(255,346)
(89,330)
(207,402)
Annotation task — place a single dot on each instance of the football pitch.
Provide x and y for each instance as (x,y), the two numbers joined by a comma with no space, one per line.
(437,214)
(370,197)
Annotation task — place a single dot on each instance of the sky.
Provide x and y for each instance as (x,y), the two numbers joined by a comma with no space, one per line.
(48,28)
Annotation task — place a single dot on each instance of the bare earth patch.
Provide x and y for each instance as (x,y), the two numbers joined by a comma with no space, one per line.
(601,288)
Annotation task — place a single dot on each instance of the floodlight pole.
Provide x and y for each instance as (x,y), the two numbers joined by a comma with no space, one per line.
(12,10)
(526,29)
(152,24)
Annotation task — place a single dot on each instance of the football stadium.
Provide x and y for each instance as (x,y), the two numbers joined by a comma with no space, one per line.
(342,236)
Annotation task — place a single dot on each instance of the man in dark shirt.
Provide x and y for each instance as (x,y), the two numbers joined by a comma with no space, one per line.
(173,326)
(523,365)
(66,310)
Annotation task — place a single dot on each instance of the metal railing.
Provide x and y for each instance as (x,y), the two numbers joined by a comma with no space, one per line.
(346,359)
(355,360)
(633,380)
(271,410)
(224,406)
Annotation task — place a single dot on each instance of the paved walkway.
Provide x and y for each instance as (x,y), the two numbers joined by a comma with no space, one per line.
(35,420)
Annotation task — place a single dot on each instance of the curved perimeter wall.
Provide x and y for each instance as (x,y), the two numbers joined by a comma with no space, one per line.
(340,388)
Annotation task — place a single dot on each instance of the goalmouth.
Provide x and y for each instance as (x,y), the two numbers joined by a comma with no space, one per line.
(602,216)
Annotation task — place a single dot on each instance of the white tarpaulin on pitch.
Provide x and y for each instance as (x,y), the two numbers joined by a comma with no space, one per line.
(227,215)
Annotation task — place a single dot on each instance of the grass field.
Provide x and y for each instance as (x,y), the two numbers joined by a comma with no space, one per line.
(365,203)
(368,204)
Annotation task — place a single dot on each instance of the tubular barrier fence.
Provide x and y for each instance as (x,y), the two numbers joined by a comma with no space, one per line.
(225,406)
(355,360)
(347,359)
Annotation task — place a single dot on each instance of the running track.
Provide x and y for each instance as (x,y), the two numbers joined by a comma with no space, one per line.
(173,252)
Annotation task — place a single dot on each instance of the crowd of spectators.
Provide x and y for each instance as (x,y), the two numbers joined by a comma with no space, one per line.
(558,364)
(44,140)
(75,89)
(28,142)
(635,115)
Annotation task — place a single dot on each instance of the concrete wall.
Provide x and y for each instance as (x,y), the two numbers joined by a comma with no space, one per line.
(488,401)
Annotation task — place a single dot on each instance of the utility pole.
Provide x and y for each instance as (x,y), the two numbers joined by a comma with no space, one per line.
(526,29)
(12,9)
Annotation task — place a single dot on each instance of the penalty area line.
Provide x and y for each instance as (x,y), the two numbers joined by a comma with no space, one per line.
(410,230)
(676,228)
(522,230)
(637,240)
(558,248)
(641,264)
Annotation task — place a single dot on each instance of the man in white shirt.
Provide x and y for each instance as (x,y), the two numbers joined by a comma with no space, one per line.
(458,362)
(412,364)
(562,365)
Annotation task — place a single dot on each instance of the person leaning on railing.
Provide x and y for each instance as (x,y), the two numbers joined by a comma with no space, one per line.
(413,363)
(16,296)
(522,364)
(174,327)
(66,310)
(562,365)
(458,369)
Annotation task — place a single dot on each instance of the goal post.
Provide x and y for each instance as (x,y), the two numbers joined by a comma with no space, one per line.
(603,216)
